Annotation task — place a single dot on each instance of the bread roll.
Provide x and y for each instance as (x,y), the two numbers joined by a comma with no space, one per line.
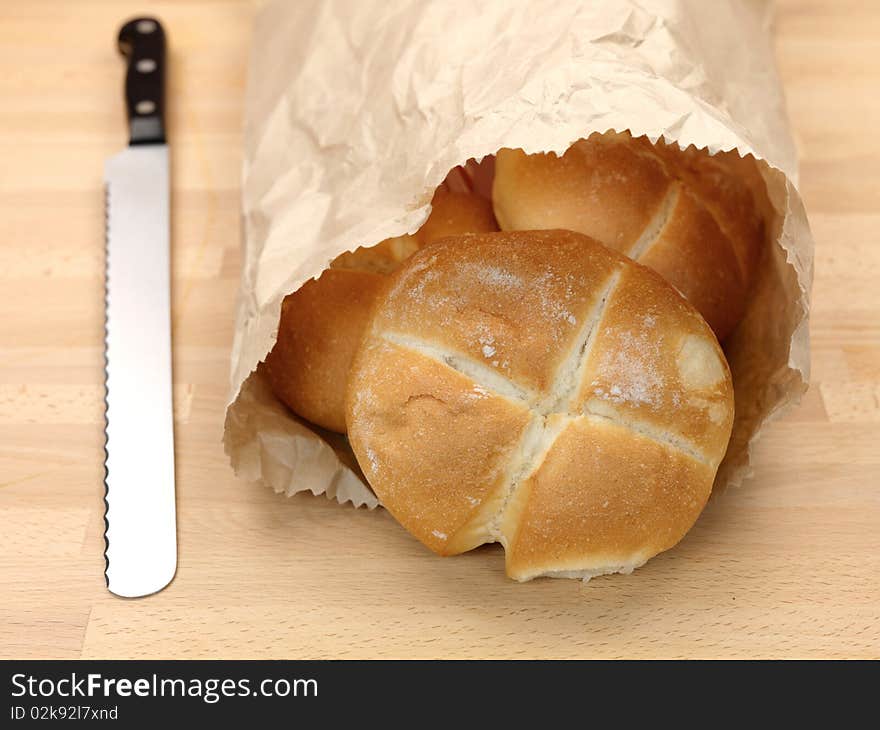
(322,323)
(691,217)
(320,328)
(455,213)
(537,389)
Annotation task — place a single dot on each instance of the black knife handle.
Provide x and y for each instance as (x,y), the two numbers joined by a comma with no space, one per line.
(142,42)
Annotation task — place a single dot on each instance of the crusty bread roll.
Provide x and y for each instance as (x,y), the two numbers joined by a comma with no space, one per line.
(453,213)
(694,218)
(322,323)
(320,328)
(537,389)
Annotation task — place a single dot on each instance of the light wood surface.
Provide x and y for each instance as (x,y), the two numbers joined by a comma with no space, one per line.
(786,566)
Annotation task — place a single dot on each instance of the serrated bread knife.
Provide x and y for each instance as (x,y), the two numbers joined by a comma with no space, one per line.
(141,536)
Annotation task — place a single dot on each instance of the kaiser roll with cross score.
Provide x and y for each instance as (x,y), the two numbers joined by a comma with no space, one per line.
(695,218)
(537,389)
(322,322)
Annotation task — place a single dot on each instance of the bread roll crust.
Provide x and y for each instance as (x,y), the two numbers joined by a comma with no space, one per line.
(730,188)
(538,389)
(319,331)
(693,252)
(453,213)
(605,499)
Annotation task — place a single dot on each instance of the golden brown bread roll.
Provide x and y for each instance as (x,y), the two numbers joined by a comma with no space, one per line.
(537,389)
(320,328)
(693,218)
(322,323)
(454,213)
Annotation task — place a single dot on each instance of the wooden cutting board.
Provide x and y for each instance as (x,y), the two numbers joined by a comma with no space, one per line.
(786,566)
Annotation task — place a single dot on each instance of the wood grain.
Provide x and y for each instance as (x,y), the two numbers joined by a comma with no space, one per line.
(786,566)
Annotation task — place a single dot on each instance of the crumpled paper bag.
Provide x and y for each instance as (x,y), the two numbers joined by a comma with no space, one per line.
(357,110)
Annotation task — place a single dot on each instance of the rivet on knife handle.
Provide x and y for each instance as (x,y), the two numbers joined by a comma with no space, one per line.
(142,42)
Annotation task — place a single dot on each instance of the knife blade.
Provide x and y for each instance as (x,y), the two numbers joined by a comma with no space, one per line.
(140,520)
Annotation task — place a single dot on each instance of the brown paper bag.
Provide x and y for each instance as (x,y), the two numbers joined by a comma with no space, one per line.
(357,110)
